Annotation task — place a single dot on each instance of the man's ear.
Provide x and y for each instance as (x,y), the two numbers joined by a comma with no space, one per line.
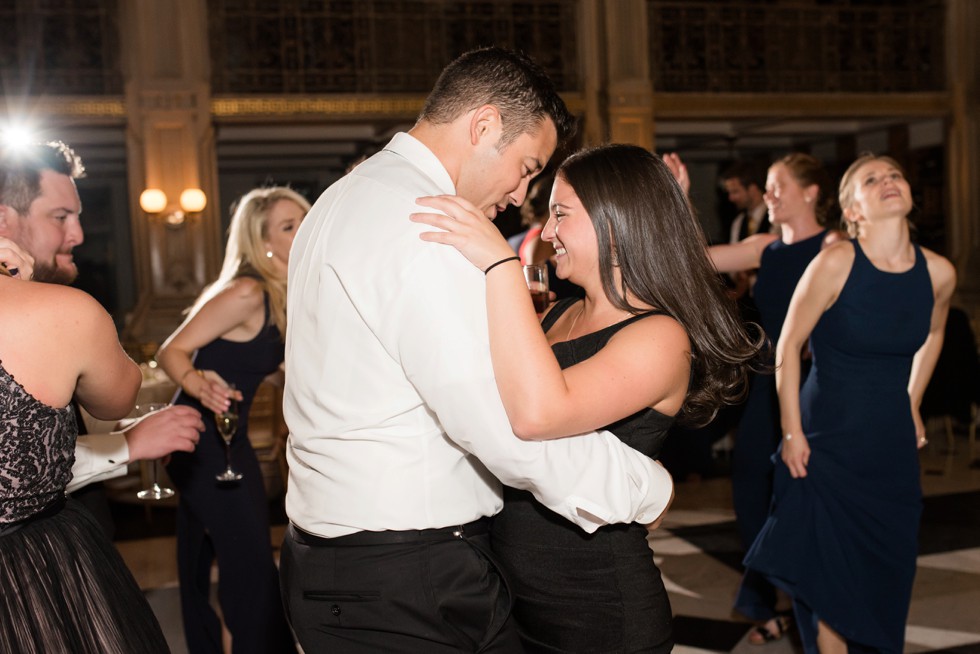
(485,123)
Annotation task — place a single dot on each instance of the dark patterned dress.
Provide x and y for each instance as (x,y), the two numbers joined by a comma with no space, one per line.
(579,592)
(63,586)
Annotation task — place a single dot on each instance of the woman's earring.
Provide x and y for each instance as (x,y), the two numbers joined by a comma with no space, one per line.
(268,254)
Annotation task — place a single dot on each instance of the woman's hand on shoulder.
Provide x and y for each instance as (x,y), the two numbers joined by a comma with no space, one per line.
(464,227)
(16,260)
(834,236)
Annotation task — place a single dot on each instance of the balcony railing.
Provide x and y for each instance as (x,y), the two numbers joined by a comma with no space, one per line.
(785,46)
(377,46)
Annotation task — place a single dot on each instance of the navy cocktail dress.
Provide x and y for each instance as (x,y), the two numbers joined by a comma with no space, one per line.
(780,270)
(843,540)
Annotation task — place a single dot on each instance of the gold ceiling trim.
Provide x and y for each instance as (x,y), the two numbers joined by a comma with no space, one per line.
(346,106)
(71,106)
(360,106)
(799,105)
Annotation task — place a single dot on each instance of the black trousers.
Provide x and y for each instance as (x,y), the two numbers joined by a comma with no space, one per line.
(433,595)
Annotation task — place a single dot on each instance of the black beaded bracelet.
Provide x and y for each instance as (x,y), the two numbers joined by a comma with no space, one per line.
(495,264)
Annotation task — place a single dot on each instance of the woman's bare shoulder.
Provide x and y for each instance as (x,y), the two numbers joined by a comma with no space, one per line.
(242,292)
(941,270)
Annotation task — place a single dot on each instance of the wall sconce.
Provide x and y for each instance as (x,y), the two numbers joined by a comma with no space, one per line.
(192,200)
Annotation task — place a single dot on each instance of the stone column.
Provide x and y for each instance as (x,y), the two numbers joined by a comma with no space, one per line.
(592,63)
(963,175)
(630,90)
(170,146)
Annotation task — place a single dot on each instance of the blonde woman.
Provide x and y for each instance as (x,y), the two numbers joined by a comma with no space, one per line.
(842,537)
(231,340)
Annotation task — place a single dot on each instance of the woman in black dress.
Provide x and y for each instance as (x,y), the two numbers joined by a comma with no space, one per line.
(233,336)
(654,338)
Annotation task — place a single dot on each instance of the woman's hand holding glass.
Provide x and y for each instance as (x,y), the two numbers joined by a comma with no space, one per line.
(226,420)
(465,228)
(536,276)
(211,390)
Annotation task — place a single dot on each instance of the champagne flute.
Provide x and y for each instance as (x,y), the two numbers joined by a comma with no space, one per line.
(155,491)
(227,422)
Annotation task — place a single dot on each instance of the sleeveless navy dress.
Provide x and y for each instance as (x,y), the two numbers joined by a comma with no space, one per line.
(843,540)
(578,592)
(758,435)
(63,586)
(229,521)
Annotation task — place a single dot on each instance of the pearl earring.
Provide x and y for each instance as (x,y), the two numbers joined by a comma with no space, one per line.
(268,254)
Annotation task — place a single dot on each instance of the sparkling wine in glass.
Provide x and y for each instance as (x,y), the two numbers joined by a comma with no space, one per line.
(227,422)
(155,490)
(536,276)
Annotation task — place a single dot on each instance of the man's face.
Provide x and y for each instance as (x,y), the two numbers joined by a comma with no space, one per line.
(737,194)
(50,229)
(493,178)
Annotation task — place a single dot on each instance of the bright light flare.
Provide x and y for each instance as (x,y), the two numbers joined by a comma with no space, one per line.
(17,137)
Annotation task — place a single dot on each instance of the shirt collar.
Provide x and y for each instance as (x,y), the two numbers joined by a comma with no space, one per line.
(420,156)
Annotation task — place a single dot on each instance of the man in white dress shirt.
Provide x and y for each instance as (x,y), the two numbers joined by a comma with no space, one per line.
(398,438)
(40,223)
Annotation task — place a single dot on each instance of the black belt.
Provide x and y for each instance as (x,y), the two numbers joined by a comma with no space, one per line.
(52,509)
(360,538)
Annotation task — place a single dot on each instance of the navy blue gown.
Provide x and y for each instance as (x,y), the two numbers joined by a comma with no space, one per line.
(758,434)
(843,540)
(577,592)
(229,521)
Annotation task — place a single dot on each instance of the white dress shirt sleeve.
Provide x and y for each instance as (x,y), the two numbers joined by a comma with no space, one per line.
(438,327)
(98,457)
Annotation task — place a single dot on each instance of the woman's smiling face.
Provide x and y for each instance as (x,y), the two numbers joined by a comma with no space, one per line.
(570,230)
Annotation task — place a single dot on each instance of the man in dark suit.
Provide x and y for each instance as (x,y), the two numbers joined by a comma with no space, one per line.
(745,184)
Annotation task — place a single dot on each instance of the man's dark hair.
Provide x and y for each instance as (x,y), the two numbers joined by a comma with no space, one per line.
(21,168)
(748,173)
(510,81)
